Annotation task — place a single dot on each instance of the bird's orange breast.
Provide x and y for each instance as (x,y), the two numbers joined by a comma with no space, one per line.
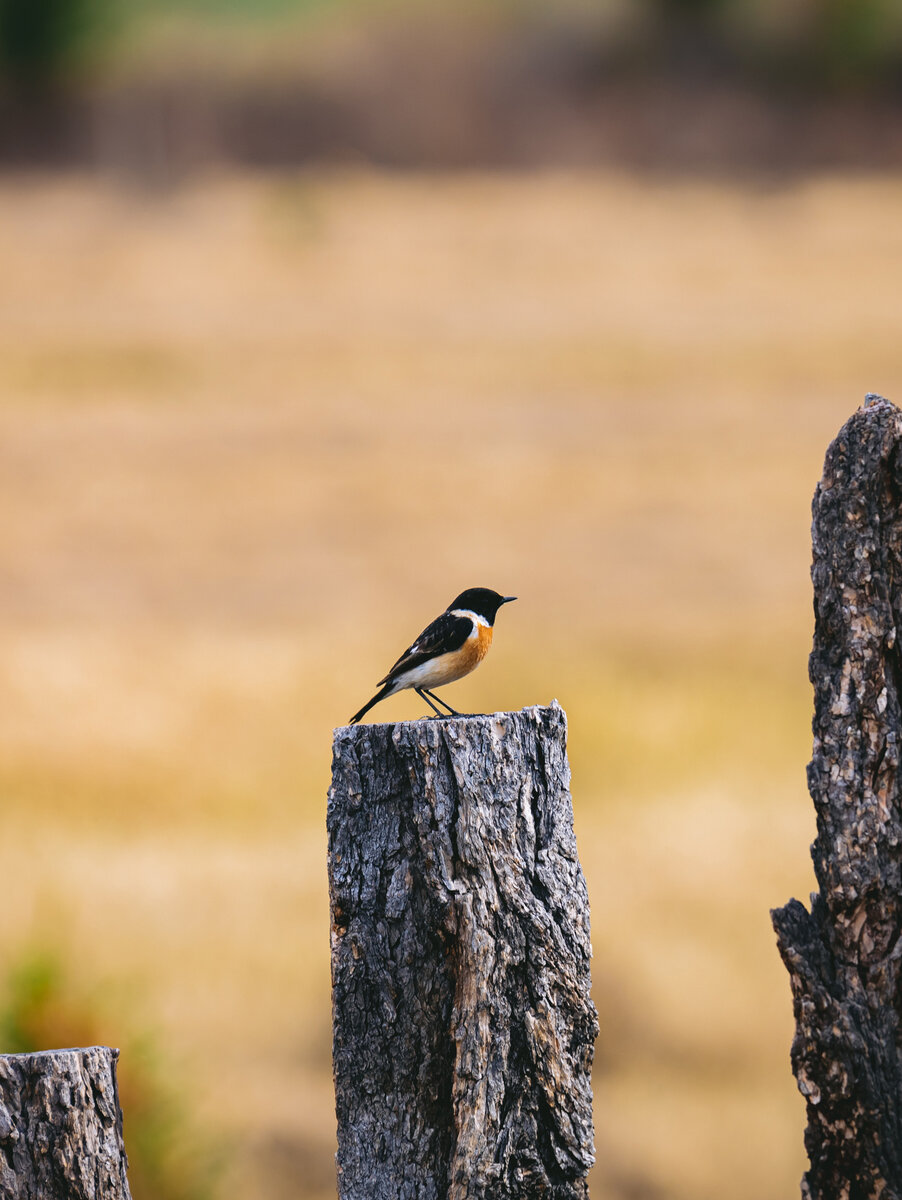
(484,640)
(471,653)
(454,665)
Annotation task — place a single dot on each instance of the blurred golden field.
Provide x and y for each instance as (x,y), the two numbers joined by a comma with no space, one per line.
(255,432)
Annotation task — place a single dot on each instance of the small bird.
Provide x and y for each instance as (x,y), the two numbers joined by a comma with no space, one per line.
(451,647)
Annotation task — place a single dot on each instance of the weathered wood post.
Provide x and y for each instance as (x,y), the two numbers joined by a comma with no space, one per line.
(61,1126)
(462,1024)
(844,956)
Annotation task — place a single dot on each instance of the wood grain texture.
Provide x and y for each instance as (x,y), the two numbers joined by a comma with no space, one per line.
(843,956)
(463,1026)
(61,1126)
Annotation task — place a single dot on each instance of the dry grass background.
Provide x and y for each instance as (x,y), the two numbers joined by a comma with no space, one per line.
(255,432)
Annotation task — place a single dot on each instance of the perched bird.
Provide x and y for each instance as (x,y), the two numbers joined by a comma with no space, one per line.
(451,647)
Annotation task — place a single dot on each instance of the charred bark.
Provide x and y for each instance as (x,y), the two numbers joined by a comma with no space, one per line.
(844,955)
(61,1126)
(463,1028)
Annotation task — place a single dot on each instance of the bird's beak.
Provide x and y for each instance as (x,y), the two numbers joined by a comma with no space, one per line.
(507,599)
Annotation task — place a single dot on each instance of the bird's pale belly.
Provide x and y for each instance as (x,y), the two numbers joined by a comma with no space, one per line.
(448,667)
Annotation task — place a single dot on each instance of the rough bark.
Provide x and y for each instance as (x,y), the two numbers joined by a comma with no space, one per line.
(843,956)
(61,1126)
(463,1027)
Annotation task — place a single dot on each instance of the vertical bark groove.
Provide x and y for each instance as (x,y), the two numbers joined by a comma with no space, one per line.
(463,1027)
(843,956)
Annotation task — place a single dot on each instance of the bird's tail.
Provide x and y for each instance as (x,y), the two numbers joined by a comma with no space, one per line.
(380,695)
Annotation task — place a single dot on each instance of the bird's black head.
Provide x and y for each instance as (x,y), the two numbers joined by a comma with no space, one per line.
(483,601)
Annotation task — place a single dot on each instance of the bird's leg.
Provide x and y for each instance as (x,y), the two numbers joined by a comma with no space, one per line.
(421,692)
(432,696)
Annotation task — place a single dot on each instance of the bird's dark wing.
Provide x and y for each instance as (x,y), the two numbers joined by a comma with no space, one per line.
(446,633)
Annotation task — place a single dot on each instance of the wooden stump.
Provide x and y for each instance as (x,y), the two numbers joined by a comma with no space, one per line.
(463,1027)
(844,955)
(61,1126)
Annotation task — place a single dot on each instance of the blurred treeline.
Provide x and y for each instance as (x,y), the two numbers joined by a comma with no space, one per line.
(165,84)
(828,42)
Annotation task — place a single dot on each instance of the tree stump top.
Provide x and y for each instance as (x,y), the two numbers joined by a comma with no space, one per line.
(61,1126)
(463,1026)
(844,955)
